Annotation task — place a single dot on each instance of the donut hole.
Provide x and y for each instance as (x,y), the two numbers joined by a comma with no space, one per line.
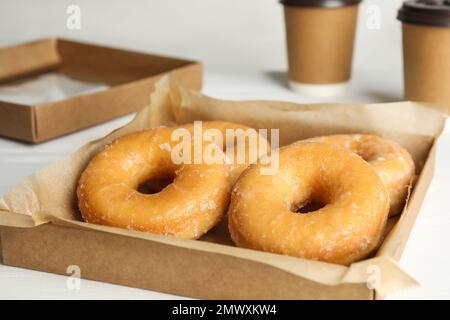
(156,185)
(363,156)
(366,154)
(308,206)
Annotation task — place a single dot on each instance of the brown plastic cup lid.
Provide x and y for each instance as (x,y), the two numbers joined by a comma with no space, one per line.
(426,12)
(319,3)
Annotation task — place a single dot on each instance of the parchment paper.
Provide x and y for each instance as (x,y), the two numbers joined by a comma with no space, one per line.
(49,194)
(48,87)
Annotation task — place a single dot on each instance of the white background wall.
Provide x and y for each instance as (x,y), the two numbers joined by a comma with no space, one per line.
(230,36)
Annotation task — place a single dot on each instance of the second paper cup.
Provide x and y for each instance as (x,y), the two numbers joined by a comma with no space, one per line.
(320,38)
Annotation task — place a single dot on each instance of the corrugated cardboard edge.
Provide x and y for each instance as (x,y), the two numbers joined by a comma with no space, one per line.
(17,121)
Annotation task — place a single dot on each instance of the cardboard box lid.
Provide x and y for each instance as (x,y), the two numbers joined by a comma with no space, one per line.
(130,75)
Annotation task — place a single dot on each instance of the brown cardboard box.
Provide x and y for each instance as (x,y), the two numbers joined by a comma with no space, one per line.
(40,226)
(130,76)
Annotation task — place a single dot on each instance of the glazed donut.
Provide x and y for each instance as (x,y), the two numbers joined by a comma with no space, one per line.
(393,163)
(266,210)
(110,188)
(238,144)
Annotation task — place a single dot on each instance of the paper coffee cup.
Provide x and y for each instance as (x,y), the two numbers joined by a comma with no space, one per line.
(426,51)
(320,37)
